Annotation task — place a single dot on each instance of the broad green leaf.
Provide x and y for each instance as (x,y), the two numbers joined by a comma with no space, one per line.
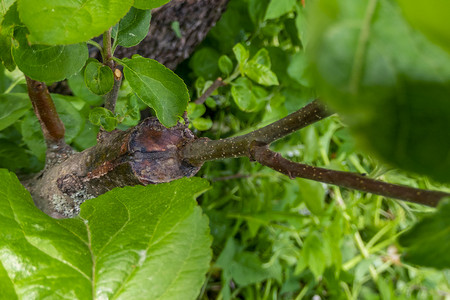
(387,80)
(158,87)
(242,56)
(241,90)
(12,107)
(202,124)
(257,10)
(314,253)
(313,194)
(262,57)
(32,135)
(298,69)
(149,4)
(195,110)
(79,89)
(260,73)
(49,63)
(103,117)
(31,129)
(204,63)
(225,65)
(133,28)
(277,8)
(12,157)
(98,78)
(427,243)
(431,17)
(131,243)
(8,21)
(63,22)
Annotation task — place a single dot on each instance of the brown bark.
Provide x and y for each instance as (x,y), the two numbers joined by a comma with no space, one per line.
(147,153)
(195,17)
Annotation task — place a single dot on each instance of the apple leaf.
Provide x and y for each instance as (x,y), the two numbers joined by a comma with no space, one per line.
(131,243)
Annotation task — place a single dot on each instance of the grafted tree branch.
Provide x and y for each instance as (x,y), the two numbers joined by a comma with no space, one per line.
(271,159)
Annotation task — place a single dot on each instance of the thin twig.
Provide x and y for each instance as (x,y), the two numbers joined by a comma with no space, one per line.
(201,150)
(214,86)
(111,96)
(45,110)
(107,52)
(271,159)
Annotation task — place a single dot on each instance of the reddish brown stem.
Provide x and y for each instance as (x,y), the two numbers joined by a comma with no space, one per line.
(44,108)
(201,150)
(214,86)
(274,160)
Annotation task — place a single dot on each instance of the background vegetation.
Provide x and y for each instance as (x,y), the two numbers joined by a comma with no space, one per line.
(273,237)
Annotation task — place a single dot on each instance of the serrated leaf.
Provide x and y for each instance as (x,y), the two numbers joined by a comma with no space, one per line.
(158,87)
(149,4)
(427,243)
(63,22)
(133,28)
(79,89)
(262,57)
(277,8)
(48,63)
(132,243)
(98,78)
(390,85)
(101,116)
(12,107)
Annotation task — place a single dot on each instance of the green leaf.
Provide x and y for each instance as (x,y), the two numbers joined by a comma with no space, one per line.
(149,4)
(133,28)
(204,63)
(431,17)
(48,63)
(9,18)
(32,135)
(12,157)
(103,117)
(313,194)
(98,78)
(277,8)
(31,129)
(298,69)
(242,56)
(158,87)
(79,89)
(260,73)
(262,57)
(391,86)
(314,254)
(225,65)
(62,22)
(202,124)
(241,90)
(427,243)
(131,243)
(12,107)
(195,110)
